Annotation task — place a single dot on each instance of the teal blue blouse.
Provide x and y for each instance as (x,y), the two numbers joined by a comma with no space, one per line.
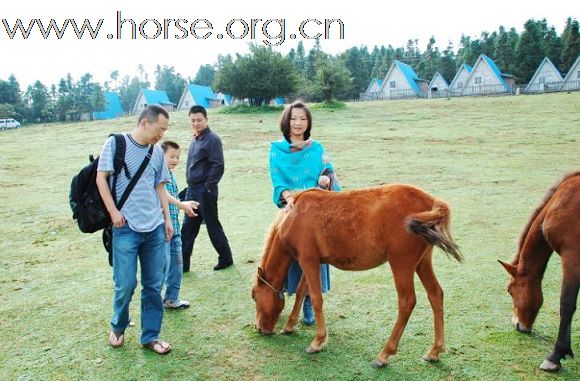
(298,168)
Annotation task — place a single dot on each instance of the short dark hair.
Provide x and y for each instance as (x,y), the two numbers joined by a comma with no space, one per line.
(287,115)
(197,109)
(151,113)
(169,144)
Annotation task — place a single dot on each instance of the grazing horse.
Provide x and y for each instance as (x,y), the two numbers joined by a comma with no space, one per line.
(356,230)
(554,226)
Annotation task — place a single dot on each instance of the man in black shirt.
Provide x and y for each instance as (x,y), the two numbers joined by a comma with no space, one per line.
(205,167)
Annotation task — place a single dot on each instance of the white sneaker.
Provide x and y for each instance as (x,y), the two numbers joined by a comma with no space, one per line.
(178,304)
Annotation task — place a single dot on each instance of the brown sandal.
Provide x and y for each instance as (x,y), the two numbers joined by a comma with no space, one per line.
(159,347)
(116,339)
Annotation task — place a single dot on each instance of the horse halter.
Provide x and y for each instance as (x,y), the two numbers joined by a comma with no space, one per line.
(279,293)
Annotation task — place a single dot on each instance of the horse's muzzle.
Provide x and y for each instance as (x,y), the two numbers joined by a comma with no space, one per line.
(264,332)
(519,327)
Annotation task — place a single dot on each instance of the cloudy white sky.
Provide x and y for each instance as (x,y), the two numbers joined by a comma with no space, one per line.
(48,60)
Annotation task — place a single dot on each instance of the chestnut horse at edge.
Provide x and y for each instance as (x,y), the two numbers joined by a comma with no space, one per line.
(356,230)
(553,226)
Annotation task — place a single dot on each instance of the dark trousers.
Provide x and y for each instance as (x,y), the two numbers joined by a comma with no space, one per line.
(207,212)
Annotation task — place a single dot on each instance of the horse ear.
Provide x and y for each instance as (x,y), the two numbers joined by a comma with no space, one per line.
(511,269)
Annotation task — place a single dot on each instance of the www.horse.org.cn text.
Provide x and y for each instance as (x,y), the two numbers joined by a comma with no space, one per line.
(271,31)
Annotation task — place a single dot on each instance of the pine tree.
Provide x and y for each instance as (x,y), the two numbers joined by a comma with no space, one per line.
(570,45)
(530,51)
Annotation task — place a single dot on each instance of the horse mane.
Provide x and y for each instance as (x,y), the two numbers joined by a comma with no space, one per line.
(272,231)
(547,197)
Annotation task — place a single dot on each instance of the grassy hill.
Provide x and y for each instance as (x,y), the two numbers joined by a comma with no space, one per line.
(492,159)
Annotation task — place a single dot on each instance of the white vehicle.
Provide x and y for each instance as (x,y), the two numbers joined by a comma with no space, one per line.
(9,123)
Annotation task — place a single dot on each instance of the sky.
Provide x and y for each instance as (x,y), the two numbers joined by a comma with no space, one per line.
(187,35)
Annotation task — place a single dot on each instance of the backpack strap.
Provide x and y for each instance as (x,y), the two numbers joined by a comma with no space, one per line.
(119,162)
(135,178)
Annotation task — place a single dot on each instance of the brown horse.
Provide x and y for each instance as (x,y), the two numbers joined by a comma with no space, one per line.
(356,230)
(554,226)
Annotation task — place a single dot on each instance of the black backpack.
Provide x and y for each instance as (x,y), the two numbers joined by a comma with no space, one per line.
(84,197)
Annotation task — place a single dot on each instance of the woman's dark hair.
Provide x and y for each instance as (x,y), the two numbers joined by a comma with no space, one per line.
(287,115)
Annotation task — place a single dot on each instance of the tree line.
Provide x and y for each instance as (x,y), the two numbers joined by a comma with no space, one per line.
(314,76)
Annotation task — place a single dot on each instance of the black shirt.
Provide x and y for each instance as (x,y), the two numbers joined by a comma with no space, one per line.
(205,160)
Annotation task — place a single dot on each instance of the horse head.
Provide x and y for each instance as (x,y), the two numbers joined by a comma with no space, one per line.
(269,304)
(526,296)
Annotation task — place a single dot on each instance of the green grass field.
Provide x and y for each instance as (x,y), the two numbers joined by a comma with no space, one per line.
(492,159)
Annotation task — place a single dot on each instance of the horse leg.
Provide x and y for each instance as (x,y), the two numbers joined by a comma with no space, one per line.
(435,295)
(301,292)
(406,302)
(568,297)
(312,274)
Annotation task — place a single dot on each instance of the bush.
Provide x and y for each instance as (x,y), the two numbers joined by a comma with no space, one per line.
(245,109)
(330,105)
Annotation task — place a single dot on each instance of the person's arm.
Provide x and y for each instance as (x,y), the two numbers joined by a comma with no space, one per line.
(215,157)
(103,185)
(279,183)
(187,206)
(162,194)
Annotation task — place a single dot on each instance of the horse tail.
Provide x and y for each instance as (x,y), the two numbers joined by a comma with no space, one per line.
(433,225)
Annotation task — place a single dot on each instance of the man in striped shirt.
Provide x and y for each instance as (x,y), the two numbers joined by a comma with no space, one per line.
(140,229)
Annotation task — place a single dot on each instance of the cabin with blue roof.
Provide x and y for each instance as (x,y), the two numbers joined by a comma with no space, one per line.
(401,81)
(572,79)
(547,78)
(224,99)
(149,97)
(438,87)
(487,79)
(372,91)
(197,95)
(113,108)
(279,101)
(459,80)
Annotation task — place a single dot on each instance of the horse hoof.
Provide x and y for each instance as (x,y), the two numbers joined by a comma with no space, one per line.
(549,366)
(287,331)
(310,350)
(430,358)
(377,364)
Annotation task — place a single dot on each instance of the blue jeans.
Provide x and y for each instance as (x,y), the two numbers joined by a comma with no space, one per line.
(173,268)
(149,248)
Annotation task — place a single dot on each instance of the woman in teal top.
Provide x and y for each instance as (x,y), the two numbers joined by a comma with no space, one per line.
(296,163)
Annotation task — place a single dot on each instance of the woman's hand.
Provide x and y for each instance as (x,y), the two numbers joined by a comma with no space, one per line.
(289,203)
(324,182)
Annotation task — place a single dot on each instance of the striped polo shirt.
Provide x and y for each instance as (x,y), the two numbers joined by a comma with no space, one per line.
(142,210)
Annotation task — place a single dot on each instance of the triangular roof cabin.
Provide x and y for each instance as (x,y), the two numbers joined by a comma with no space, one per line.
(196,95)
(113,108)
(486,79)
(149,97)
(438,86)
(224,99)
(401,81)
(546,78)
(372,90)
(460,78)
(572,79)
